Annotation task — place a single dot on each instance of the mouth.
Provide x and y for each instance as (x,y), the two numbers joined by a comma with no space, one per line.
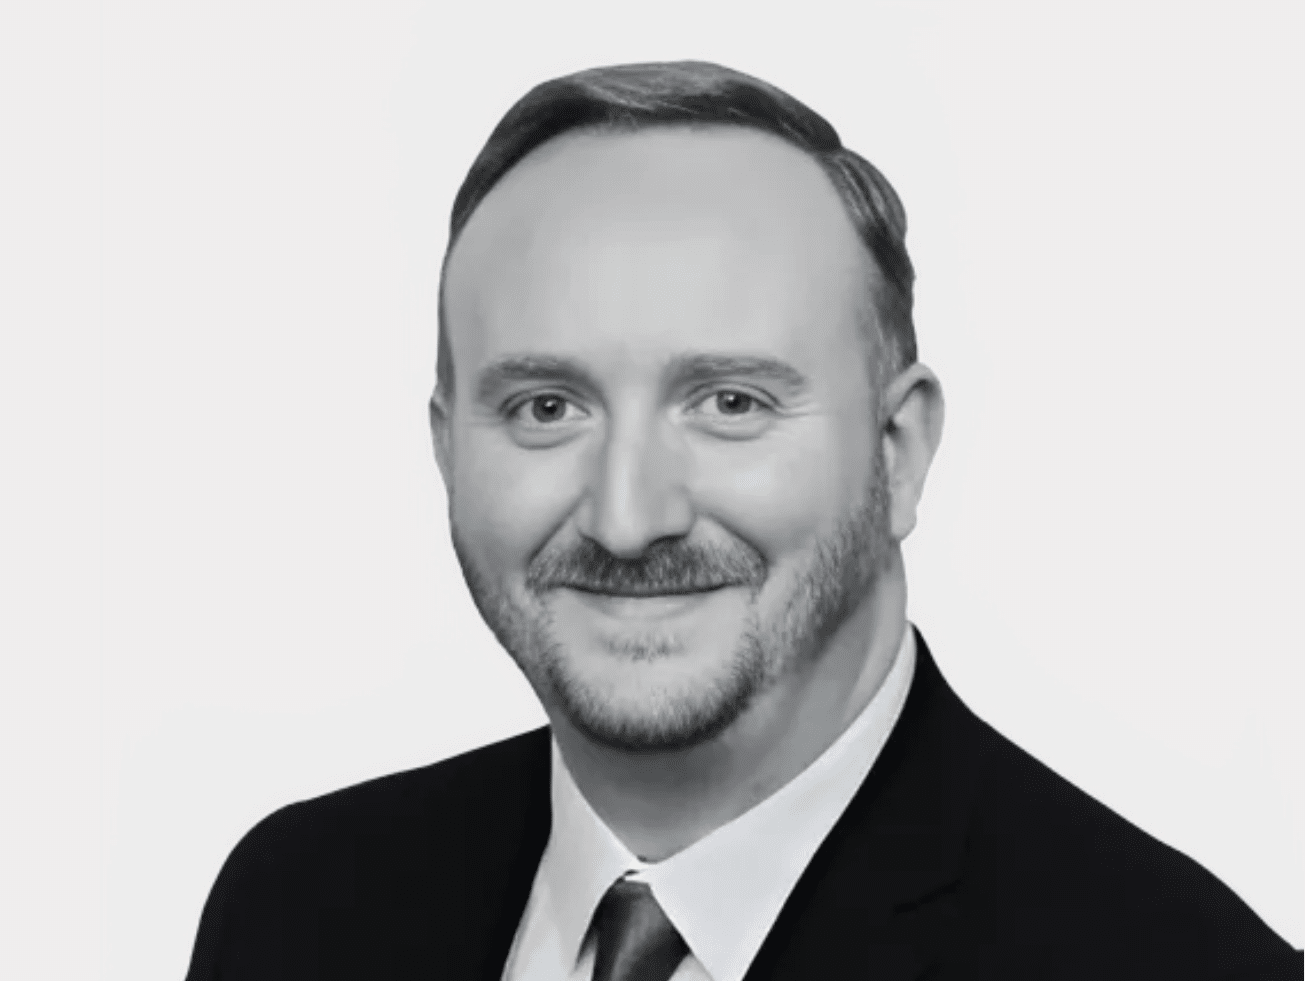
(639,605)
(647,593)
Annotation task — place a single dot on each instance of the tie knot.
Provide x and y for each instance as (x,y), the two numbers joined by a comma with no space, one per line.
(635,940)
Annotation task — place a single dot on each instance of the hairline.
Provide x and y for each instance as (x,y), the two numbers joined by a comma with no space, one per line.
(873,316)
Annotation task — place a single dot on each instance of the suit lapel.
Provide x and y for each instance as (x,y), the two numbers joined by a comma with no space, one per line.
(507,853)
(878,898)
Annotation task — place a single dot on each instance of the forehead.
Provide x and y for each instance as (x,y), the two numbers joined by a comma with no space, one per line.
(669,237)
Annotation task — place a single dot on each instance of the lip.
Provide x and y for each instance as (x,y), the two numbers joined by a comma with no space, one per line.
(652,607)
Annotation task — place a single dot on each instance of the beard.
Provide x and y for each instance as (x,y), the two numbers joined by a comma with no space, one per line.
(648,712)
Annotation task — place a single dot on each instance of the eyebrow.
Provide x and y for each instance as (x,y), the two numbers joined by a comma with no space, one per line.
(685,369)
(529,367)
(696,368)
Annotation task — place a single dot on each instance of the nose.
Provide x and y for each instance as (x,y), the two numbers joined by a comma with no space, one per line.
(637,493)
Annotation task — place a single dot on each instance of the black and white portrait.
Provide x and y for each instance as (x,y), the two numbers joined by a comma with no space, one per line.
(703,492)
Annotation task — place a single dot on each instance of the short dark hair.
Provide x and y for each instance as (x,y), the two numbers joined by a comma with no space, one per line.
(627,98)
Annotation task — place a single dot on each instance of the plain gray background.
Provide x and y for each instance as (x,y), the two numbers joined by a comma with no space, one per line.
(262,605)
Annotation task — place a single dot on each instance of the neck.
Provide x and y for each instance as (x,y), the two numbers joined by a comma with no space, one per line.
(659,803)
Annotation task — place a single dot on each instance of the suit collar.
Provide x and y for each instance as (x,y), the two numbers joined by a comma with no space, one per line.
(879,895)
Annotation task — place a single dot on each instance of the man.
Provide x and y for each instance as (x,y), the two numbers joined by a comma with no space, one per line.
(684,432)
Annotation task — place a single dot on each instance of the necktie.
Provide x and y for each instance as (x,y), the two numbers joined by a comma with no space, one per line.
(636,942)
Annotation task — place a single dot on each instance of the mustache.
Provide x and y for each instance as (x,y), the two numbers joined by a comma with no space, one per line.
(666,567)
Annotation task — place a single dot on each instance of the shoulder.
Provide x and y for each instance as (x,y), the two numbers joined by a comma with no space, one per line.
(435,801)
(1050,867)
(404,842)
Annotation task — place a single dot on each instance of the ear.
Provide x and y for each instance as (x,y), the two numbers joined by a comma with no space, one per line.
(440,420)
(912,410)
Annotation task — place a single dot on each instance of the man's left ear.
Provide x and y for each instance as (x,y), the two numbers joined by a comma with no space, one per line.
(912,410)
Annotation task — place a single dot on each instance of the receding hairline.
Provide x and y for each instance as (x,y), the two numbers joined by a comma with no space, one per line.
(545,153)
(868,303)
(542,154)
(700,95)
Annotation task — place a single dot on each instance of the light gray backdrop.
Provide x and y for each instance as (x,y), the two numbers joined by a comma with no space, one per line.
(1105,213)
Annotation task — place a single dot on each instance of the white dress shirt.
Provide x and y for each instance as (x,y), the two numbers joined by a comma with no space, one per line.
(724,892)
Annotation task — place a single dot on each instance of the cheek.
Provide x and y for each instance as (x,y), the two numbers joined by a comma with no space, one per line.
(507,503)
(781,492)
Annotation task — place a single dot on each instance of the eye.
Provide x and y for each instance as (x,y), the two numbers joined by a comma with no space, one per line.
(734,403)
(547,409)
(729,403)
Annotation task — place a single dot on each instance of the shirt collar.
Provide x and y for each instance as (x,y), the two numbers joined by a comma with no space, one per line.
(582,860)
(716,892)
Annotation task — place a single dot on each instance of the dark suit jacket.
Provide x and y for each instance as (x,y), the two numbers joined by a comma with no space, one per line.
(960,857)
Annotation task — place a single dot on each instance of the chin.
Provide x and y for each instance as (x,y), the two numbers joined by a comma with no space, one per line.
(651,694)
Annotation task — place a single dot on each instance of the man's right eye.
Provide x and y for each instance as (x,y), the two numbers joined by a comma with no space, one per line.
(545,410)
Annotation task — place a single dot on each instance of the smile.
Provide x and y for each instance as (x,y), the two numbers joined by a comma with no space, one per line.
(654,606)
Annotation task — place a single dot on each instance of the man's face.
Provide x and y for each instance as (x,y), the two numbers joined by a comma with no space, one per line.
(663,458)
